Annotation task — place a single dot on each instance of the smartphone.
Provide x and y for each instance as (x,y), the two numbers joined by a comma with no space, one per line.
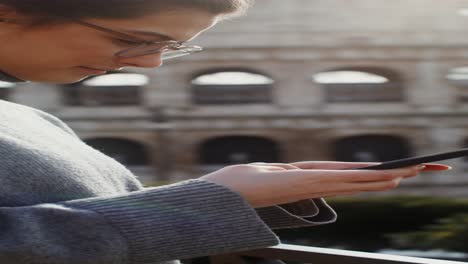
(394,164)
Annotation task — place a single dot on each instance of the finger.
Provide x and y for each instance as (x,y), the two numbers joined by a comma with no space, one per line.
(436,167)
(281,165)
(331,165)
(351,165)
(269,168)
(358,187)
(408,172)
(374,186)
(335,194)
(343,176)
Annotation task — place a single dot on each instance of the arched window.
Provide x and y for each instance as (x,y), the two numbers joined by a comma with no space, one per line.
(459,78)
(222,151)
(370,148)
(361,85)
(231,87)
(127,152)
(5,89)
(111,89)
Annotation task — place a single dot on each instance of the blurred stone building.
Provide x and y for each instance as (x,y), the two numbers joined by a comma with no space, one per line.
(363,80)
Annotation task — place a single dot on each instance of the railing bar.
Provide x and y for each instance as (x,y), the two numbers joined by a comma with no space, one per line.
(325,255)
(317,258)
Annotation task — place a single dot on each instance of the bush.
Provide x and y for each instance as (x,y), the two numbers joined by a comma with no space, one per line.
(370,224)
(448,233)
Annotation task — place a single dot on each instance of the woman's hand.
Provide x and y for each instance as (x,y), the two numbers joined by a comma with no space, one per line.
(267,184)
(337,165)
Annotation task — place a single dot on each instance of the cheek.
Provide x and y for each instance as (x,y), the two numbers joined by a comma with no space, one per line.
(84,49)
(81,52)
(50,53)
(56,50)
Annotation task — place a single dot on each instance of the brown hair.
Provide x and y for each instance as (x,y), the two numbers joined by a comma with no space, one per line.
(50,12)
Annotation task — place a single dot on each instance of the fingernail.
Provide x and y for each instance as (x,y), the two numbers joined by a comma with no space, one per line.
(421,167)
(449,168)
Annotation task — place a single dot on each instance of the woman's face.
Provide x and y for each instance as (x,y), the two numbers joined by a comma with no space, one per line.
(57,54)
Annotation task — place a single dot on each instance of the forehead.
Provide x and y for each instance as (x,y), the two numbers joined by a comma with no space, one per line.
(179,25)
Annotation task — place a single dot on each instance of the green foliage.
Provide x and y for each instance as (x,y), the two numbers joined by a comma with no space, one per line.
(448,233)
(158,183)
(370,224)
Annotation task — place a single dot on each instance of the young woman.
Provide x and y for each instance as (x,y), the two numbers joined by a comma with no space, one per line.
(64,202)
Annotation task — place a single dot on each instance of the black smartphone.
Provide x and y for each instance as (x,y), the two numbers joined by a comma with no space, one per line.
(394,164)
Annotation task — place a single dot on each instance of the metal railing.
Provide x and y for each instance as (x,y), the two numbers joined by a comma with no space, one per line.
(314,255)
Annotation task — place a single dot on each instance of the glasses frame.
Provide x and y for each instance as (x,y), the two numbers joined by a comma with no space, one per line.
(171,47)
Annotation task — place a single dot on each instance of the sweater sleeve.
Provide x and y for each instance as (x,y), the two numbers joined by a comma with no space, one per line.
(178,221)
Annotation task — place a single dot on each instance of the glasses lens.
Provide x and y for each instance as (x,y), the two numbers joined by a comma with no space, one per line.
(168,51)
(170,54)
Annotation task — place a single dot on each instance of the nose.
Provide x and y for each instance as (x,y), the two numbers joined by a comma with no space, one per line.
(147,61)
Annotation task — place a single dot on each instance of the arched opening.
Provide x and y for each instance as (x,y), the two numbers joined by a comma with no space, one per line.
(371,148)
(229,150)
(5,90)
(459,78)
(363,84)
(232,86)
(115,89)
(125,151)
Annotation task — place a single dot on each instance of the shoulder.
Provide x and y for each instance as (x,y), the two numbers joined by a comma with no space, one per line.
(54,121)
(23,110)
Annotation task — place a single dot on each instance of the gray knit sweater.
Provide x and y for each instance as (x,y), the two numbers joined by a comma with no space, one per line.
(65,202)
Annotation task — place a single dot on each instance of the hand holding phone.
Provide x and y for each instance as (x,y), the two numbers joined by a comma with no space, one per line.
(394,164)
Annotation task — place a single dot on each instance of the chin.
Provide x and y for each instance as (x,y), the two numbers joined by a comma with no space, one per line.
(57,78)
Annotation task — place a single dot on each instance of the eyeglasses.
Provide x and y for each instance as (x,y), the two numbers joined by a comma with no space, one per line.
(169,49)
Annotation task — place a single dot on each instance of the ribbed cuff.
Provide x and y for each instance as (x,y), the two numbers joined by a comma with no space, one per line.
(184,220)
(303,213)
